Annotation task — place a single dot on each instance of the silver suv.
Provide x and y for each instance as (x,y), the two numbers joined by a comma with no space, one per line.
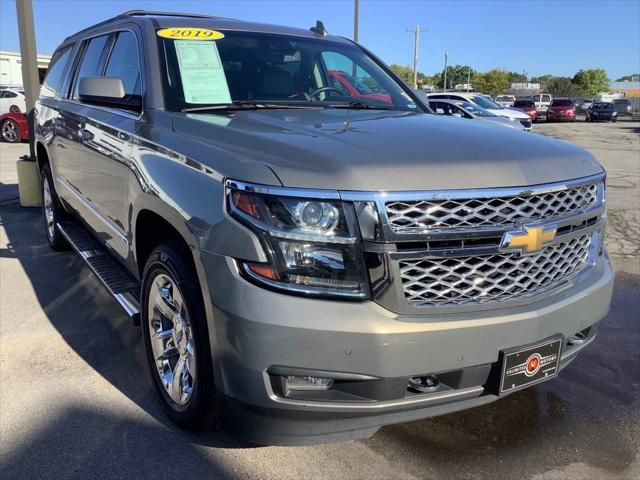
(308,260)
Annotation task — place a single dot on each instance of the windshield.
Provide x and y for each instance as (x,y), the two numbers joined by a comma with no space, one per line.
(484,102)
(524,104)
(603,106)
(475,109)
(504,99)
(562,103)
(281,70)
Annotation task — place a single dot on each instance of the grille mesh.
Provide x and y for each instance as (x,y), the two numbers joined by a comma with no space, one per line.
(481,212)
(491,278)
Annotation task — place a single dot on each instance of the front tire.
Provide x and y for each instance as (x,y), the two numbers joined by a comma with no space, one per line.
(52,212)
(10,131)
(176,337)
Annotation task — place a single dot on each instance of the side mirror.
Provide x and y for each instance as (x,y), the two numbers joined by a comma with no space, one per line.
(107,92)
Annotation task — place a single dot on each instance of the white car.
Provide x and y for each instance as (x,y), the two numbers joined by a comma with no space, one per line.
(458,108)
(490,105)
(505,100)
(12,100)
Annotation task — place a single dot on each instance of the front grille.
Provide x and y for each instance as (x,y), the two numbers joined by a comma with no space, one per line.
(435,215)
(491,278)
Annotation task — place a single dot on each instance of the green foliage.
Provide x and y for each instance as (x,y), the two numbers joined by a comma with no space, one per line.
(628,78)
(456,75)
(591,82)
(517,77)
(561,87)
(406,73)
(494,82)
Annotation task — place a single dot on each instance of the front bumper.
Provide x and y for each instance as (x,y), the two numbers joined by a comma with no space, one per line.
(258,334)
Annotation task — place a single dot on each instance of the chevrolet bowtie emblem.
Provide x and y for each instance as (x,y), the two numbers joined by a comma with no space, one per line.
(531,240)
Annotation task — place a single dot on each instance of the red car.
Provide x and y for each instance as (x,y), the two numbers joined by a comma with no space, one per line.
(561,110)
(13,127)
(528,106)
(355,87)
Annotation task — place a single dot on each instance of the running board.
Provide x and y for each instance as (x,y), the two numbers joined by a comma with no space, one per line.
(120,283)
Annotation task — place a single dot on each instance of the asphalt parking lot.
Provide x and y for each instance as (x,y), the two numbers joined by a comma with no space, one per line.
(76,400)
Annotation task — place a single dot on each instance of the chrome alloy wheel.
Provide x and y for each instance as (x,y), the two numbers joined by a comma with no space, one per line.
(172,339)
(10,131)
(48,208)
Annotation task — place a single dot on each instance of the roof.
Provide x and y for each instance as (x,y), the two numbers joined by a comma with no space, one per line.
(171,19)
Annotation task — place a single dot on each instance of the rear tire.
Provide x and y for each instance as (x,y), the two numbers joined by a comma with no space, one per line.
(176,340)
(14,109)
(52,212)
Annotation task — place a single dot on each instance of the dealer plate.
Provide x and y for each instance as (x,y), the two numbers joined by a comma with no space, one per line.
(525,366)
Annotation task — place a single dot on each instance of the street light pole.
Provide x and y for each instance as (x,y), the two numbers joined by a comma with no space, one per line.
(446,57)
(416,45)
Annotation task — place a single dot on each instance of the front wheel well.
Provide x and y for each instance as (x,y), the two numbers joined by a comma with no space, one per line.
(152,231)
(42,158)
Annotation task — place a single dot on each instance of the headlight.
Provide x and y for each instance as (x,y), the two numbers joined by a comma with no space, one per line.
(312,243)
(614,113)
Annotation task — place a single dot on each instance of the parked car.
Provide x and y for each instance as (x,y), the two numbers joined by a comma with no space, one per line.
(487,104)
(622,105)
(355,87)
(12,100)
(13,127)
(582,105)
(561,110)
(505,100)
(542,101)
(308,264)
(601,111)
(458,108)
(528,106)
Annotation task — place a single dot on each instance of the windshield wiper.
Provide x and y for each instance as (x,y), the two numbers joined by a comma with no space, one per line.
(358,105)
(238,105)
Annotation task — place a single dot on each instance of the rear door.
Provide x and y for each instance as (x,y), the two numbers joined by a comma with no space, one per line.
(104,153)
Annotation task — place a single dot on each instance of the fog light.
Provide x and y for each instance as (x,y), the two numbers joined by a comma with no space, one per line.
(307,383)
(425,384)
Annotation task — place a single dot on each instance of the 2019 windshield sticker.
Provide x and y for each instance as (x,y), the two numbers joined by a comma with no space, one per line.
(201,72)
(182,33)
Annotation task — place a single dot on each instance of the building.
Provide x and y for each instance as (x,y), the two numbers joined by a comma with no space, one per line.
(11,69)
(628,89)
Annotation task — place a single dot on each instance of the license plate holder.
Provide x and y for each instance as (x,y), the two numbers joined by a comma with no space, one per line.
(527,365)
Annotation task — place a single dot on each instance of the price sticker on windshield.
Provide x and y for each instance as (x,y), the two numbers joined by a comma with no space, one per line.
(182,33)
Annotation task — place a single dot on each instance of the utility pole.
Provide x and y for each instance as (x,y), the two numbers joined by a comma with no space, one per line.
(416,44)
(468,78)
(446,57)
(356,14)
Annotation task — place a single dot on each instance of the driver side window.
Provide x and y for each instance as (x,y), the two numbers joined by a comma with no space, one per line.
(350,79)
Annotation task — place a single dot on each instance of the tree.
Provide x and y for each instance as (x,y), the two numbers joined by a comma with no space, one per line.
(542,79)
(561,87)
(591,82)
(406,73)
(517,77)
(456,75)
(628,78)
(494,82)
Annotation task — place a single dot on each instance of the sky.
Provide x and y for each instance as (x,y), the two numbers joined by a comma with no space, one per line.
(538,37)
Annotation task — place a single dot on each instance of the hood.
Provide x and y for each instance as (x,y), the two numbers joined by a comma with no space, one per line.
(511,113)
(561,107)
(385,150)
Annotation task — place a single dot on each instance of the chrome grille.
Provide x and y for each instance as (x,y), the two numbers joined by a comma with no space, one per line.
(435,215)
(491,278)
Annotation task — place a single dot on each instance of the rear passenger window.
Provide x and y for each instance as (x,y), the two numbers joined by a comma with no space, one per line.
(124,63)
(92,61)
(54,81)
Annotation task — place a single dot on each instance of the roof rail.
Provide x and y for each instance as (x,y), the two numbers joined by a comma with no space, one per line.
(140,13)
(144,13)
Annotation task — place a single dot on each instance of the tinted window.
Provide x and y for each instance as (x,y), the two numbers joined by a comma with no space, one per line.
(53,82)
(92,61)
(11,94)
(562,103)
(524,103)
(124,63)
(603,106)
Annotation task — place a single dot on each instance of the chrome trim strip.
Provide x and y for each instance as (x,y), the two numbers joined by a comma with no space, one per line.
(472,193)
(380,406)
(93,210)
(282,191)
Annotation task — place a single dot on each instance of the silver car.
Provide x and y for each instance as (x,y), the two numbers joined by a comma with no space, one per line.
(458,108)
(309,262)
